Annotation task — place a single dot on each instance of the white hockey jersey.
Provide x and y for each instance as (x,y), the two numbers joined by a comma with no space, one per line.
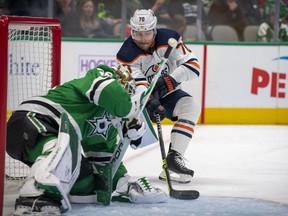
(182,64)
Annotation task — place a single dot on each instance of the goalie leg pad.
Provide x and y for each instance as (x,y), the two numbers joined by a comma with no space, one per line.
(29,189)
(62,166)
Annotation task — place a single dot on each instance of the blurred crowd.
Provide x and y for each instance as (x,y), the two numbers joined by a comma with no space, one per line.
(103,19)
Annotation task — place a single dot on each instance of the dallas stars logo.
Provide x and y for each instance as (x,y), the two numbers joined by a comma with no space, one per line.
(100,126)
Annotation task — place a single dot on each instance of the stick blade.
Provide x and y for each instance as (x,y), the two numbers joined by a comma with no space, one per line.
(185,194)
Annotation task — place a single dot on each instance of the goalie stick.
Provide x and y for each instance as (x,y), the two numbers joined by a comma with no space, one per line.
(123,144)
(177,194)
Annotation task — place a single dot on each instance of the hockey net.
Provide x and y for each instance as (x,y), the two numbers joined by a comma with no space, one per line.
(30,65)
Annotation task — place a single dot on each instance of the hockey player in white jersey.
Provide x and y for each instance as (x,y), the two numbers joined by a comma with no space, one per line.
(143,51)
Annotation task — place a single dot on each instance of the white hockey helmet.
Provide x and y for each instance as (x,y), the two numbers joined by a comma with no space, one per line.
(143,20)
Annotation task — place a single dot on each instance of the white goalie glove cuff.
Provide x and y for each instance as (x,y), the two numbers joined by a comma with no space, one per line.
(135,129)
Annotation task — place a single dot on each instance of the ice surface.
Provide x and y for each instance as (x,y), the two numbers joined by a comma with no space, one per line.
(239,170)
(214,206)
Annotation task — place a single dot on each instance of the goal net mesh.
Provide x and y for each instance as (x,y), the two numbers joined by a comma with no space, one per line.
(29,74)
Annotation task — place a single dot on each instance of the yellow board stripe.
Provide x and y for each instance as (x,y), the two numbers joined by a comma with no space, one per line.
(243,116)
(237,116)
(246,116)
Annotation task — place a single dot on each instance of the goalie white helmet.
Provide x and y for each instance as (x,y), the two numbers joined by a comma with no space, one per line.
(143,20)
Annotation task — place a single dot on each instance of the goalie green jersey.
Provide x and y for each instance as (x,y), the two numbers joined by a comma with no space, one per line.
(90,103)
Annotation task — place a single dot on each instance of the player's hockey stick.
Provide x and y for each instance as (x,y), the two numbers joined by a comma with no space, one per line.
(110,169)
(124,143)
(177,194)
(119,152)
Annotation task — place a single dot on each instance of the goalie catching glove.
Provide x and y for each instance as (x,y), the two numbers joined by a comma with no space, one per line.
(164,85)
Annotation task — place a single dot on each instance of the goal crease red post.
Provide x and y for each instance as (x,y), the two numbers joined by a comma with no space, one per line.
(30,62)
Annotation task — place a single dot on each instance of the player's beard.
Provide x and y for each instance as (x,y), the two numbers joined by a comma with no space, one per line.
(144,45)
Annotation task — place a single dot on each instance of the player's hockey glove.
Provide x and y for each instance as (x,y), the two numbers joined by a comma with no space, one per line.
(154,107)
(134,130)
(164,85)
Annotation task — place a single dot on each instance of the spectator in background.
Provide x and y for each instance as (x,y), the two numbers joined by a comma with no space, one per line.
(269,7)
(132,6)
(228,12)
(189,10)
(159,9)
(283,32)
(84,23)
(260,4)
(177,13)
(34,8)
(2,11)
(178,21)
(109,12)
(62,9)
(252,12)
(19,8)
(265,30)
(115,8)
(39,8)
(2,8)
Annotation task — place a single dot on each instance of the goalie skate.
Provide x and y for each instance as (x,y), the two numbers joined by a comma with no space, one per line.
(36,206)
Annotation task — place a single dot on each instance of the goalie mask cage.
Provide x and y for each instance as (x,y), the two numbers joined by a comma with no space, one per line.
(30,50)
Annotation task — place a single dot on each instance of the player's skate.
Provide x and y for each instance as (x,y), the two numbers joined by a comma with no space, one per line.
(36,206)
(176,167)
(140,191)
